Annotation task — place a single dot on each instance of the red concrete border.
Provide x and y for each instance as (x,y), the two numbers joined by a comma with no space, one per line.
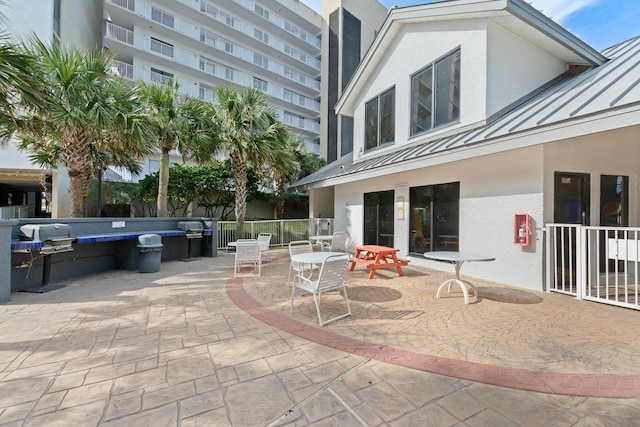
(612,386)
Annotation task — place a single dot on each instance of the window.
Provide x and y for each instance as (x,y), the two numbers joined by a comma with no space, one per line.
(230,20)
(228,46)
(209,9)
(614,200)
(380,120)
(162,17)
(160,76)
(435,96)
(206,92)
(161,47)
(260,84)
(228,74)
(264,37)
(208,66)
(209,38)
(260,60)
(292,28)
(261,11)
(434,218)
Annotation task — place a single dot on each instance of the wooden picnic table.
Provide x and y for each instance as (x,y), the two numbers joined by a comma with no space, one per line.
(374,257)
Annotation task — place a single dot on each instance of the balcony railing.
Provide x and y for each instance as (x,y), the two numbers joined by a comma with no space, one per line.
(122,69)
(127,4)
(119,33)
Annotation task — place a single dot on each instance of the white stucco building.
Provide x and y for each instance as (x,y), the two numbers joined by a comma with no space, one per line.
(470,113)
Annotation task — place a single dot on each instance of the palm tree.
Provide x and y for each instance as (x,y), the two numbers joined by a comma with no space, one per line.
(177,122)
(89,118)
(17,86)
(248,133)
(285,168)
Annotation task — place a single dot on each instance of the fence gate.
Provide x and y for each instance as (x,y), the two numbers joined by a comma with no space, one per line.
(595,263)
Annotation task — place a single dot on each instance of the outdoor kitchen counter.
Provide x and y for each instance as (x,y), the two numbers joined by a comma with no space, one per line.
(21,245)
(127,235)
(98,244)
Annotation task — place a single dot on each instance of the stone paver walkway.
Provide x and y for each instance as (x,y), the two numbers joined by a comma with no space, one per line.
(191,346)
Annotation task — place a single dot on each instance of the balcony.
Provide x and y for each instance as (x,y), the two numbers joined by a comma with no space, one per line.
(120,34)
(127,4)
(122,69)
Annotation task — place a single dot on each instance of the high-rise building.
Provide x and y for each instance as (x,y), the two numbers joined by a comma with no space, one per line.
(349,29)
(276,46)
(272,46)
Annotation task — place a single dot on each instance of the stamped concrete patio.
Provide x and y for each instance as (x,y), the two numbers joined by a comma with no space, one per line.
(191,346)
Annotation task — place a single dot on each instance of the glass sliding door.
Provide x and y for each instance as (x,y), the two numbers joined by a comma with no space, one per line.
(378,218)
(434,218)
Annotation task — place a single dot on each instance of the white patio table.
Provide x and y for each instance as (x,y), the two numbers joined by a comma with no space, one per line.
(457,259)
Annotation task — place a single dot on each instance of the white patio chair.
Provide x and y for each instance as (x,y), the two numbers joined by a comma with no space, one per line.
(339,242)
(299,247)
(264,240)
(331,278)
(247,252)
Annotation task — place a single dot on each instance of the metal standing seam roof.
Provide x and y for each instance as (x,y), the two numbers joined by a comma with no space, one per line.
(612,85)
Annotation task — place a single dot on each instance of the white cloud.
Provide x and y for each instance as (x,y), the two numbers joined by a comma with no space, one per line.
(561,9)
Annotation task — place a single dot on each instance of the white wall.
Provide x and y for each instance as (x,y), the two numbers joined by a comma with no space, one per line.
(40,13)
(415,47)
(515,68)
(586,155)
(492,190)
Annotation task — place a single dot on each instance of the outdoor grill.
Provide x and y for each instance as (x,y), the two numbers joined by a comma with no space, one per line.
(55,238)
(193,230)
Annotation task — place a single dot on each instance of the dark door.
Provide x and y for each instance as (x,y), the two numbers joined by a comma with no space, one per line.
(378,218)
(571,205)
(571,198)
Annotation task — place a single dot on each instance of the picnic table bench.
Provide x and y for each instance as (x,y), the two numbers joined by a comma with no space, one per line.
(374,257)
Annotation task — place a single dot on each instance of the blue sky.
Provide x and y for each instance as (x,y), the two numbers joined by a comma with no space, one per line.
(600,23)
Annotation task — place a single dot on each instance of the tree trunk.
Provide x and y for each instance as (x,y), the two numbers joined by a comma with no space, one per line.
(76,160)
(240,178)
(278,193)
(163,184)
(75,195)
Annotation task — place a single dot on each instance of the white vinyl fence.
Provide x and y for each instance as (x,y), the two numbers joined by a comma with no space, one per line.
(595,263)
(282,231)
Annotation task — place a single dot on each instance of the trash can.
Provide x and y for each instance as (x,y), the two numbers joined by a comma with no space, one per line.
(149,253)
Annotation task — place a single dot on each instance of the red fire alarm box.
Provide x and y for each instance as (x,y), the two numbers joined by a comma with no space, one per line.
(522,230)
